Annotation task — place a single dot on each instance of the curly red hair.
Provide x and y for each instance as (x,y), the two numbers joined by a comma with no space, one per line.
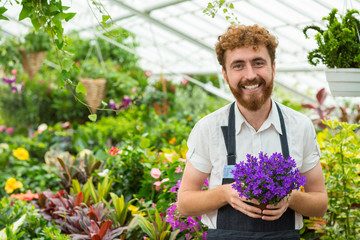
(245,36)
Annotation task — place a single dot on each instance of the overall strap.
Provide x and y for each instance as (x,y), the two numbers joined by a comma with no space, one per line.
(283,136)
(229,136)
(230,220)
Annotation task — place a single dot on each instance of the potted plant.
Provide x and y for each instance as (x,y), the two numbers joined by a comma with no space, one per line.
(339,50)
(160,95)
(92,76)
(33,51)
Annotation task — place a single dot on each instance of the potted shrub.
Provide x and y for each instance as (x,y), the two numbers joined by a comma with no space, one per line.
(160,95)
(339,50)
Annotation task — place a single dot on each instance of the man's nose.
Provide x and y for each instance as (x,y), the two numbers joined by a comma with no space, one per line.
(250,73)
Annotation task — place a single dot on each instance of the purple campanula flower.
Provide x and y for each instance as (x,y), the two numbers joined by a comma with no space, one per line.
(125,102)
(9,80)
(112,104)
(267,179)
(17,88)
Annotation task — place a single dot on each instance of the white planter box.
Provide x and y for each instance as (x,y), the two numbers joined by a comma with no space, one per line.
(344,82)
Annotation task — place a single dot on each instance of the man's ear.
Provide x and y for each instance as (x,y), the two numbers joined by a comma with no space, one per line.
(225,76)
(273,69)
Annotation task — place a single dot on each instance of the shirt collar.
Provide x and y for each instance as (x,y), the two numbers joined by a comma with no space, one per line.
(273,119)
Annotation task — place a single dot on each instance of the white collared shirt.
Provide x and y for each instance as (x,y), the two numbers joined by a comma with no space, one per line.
(207,151)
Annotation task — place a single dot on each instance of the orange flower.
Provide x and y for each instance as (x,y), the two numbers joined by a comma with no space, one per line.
(12,184)
(28,196)
(172,141)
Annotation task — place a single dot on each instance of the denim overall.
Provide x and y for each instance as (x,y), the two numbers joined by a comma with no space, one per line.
(233,224)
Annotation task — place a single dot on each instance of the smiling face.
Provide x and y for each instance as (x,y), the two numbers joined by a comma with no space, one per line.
(250,76)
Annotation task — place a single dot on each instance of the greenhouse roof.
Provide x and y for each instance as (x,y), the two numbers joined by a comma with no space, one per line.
(176,37)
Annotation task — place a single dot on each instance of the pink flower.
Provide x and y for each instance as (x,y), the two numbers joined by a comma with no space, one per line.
(133,89)
(157,185)
(155,173)
(14,72)
(184,81)
(182,160)
(66,125)
(113,151)
(148,73)
(153,205)
(2,128)
(10,130)
(178,169)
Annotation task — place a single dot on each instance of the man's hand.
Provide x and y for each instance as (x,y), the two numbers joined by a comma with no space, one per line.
(239,203)
(272,212)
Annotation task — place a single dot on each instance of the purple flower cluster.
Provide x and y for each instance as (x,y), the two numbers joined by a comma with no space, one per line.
(15,88)
(126,101)
(267,179)
(173,217)
(189,224)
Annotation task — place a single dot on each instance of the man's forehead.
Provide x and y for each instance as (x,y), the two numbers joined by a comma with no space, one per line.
(247,52)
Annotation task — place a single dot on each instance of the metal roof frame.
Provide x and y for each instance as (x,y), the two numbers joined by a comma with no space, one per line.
(177,38)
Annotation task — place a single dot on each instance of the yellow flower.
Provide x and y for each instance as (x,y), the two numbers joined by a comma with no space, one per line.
(12,184)
(133,209)
(172,141)
(21,154)
(189,119)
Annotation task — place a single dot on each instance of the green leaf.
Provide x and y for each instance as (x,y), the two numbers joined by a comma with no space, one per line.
(92,117)
(35,22)
(3,17)
(105,18)
(69,16)
(76,185)
(146,226)
(174,234)
(80,88)
(25,12)
(145,143)
(59,44)
(2,10)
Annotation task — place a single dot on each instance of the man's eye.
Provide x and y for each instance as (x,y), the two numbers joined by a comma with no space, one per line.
(259,64)
(238,66)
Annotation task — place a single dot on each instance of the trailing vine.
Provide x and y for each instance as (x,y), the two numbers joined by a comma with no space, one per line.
(50,15)
(227,8)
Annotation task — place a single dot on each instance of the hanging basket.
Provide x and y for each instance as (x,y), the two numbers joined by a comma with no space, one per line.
(32,61)
(96,90)
(161,109)
(344,82)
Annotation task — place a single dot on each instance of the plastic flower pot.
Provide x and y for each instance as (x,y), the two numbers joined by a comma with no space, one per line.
(344,82)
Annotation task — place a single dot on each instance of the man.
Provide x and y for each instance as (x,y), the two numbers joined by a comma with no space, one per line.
(254,123)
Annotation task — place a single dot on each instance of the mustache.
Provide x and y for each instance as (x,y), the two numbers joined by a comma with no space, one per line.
(251,82)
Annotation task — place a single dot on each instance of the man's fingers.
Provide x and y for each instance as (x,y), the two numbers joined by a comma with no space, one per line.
(247,209)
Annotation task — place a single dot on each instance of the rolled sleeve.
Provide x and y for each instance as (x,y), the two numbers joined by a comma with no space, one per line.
(311,149)
(198,153)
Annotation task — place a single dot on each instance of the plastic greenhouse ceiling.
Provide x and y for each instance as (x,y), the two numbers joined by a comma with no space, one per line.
(175,36)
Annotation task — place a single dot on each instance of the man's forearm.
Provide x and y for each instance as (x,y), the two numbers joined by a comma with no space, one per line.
(311,204)
(195,203)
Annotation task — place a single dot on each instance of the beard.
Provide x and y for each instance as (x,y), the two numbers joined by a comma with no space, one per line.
(253,102)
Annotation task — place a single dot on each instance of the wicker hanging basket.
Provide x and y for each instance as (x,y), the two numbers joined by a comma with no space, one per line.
(32,61)
(96,90)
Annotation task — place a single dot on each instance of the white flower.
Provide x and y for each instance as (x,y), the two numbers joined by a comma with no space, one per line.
(42,127)
(103,173)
